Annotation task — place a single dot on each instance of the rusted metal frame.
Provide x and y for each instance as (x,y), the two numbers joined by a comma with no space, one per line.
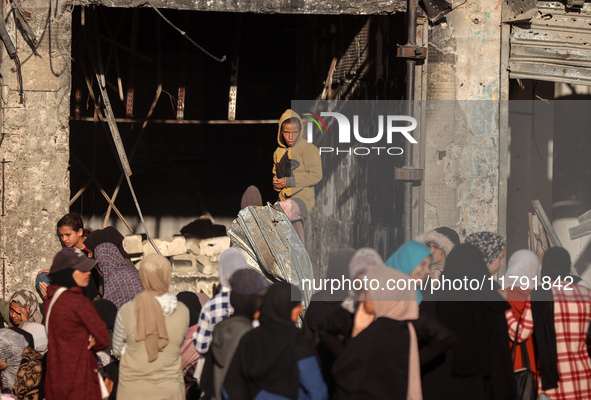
(412,15)
(234,71)
(130,90)
(412,51)
(408,174)
(93,180)
(180,106)
(79,193)
(187,121)
(145,123)
(132,153)
(120,150)
(113,54)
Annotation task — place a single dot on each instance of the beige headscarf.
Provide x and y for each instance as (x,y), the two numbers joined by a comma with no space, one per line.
(155,275)
(26,298)
(399,305)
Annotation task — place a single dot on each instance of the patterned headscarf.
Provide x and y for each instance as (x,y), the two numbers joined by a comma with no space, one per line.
(490,245)
(12,345)
(26,298)
(122,281)
(28,378)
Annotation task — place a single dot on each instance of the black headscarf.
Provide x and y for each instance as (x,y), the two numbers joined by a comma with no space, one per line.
(556,262)
(267,356)
(65,278)
(450,234)
(107,311)
(245,305)
(478,320)
(108,235)
(191,300)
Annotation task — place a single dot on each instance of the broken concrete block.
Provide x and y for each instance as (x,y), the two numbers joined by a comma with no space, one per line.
(132,244)
(168,247)
(205,265)
(192,245)
(206,286)
(214,246)
(184,265)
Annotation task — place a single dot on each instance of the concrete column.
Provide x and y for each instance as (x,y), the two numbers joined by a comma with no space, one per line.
(462,135)
(35,186)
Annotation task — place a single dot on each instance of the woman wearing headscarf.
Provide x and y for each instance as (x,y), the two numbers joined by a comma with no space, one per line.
(326,323)
(22,307)
(414,259)
(492,247)
(558,313)
(109,234)
(218,308)
(121,281)
(148,335)
(522,269)
(275,360)
(75,330)
(383,360)
(479,365)
(363,261)
(248,288)
(12,346)
(440,242)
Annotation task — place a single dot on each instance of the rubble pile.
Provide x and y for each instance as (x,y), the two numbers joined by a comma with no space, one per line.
(194,256)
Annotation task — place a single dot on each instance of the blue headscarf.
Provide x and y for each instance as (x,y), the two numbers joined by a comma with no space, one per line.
(407,257)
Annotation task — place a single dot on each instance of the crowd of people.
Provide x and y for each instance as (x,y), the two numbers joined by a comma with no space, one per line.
(125,336)
(105,328)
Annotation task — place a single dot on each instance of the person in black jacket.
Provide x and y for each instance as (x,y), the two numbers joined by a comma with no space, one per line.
(275,360)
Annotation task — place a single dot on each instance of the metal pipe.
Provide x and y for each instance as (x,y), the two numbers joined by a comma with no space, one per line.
(410,83)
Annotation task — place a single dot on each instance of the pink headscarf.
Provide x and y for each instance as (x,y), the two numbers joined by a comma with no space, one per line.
(399,305)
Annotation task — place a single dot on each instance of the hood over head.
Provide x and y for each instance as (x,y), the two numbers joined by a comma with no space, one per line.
(289,114)
(442,240)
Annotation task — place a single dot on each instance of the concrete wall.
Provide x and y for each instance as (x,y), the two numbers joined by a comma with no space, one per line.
(354,7)
(462,138)
(35,181)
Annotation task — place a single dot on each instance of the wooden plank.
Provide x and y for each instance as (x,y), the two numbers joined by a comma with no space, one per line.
(581,230)
(546,223)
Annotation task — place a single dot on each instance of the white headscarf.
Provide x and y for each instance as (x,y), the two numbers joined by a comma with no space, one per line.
(231,260)
(523,263)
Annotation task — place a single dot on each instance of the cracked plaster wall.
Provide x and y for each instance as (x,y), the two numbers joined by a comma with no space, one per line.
(35,148)
(462,134)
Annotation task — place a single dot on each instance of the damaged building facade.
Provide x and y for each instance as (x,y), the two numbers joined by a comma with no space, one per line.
(196,88)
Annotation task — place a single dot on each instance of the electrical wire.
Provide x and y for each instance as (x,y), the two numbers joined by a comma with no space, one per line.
(222,59)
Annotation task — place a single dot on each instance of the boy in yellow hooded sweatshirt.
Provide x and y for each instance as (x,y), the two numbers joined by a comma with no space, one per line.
(296,164)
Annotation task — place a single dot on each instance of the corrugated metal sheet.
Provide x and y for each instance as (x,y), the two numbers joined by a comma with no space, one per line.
(271,245)
(554,46)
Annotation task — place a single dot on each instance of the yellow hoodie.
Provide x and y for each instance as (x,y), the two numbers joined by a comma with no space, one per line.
(306,165)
